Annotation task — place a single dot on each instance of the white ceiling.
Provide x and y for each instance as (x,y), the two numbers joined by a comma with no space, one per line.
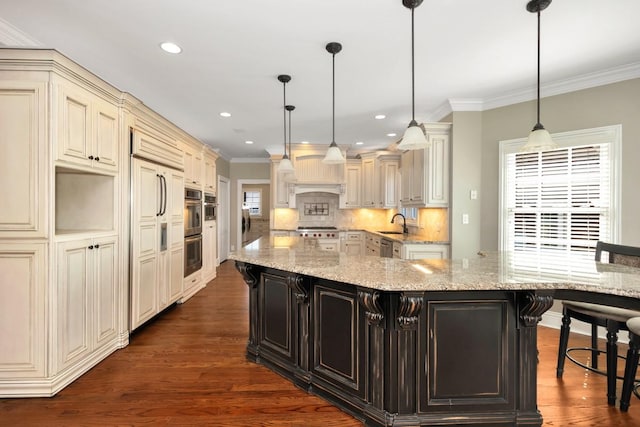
(470,55)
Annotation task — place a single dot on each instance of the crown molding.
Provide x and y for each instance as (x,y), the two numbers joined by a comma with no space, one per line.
(249,160)
(10,36)
(558,87)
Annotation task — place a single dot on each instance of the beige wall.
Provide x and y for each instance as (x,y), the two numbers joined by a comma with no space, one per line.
(222,167)
(466,151)
(617,103)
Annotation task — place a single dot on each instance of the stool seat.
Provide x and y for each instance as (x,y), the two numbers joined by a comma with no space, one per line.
(599,310)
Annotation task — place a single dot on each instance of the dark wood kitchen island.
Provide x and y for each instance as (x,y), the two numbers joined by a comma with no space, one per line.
(414,343)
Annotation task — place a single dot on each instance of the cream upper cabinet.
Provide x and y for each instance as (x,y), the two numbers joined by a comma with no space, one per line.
(280,187)
(87,128)
(23,296)
(87,298)
(425,173)
(210,174)
(380,180)
(192,167)
(23,153)
(353,185)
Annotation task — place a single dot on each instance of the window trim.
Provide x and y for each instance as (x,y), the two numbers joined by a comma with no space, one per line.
(600,135)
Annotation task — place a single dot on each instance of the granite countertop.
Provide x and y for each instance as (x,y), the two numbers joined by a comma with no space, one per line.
(493,271)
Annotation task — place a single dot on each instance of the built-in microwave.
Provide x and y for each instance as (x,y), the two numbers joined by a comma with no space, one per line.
(192,212)
(210,207)
(192,254)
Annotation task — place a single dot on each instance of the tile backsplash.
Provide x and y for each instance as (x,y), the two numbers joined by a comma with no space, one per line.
(434,224)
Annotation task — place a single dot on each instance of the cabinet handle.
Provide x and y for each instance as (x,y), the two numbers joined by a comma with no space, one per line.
(90,246)
(96,246)
(90,157)
(97,159)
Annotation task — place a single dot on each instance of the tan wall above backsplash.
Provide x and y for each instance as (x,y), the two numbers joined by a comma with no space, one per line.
(434,221)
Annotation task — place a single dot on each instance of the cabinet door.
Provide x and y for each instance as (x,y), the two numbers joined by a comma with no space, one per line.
(209,250)
(176,273)
(105,151)
(105,289)
(23,152)
(192,167)
(406,172)
(74,124)
(23,281)
(353,248)
(368,183)
(73,303)
(417,178)
(280,187)
(438,170)
(145,242)
(389,184)
(210,176)
(353,186)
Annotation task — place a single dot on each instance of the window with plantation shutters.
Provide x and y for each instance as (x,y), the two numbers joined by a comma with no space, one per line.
(562,200)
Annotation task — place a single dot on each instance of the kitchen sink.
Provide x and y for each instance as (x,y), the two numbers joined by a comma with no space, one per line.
(390,232)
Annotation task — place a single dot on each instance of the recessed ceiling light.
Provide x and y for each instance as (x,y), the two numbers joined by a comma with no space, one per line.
(304,142)
(391,134)
(359,143)
(170,47)
(248,142)
(380,116)
(225,114)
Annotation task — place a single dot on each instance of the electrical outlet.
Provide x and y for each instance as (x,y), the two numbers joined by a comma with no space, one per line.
(465,218)
(473,194)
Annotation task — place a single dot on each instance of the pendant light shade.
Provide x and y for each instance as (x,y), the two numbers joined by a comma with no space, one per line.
(539,139)
(285,166)
(334,154)
(413,138)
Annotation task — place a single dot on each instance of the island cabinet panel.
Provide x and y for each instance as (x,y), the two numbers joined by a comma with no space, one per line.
(277,323)
(338,328)
(470,354)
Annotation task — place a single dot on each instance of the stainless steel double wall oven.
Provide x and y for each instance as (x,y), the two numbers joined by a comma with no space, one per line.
(192,231)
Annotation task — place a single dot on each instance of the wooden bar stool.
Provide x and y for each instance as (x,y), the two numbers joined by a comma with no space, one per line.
(613,319)
(631,367)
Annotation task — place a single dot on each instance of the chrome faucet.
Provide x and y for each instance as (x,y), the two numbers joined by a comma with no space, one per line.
(405,230)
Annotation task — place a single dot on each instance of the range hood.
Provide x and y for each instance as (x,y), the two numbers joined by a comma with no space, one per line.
(299,188)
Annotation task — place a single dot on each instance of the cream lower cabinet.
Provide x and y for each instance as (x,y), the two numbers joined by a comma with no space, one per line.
(352,242)
(23,289)
(86,299)
(425,251)
(157,240)
(209,252)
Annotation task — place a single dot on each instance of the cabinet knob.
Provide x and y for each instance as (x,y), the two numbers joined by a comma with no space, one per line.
(90,157)
(90,246)
(96,246)
(97,159)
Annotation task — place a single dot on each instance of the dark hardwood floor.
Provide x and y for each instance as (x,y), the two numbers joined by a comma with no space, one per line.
(187,367)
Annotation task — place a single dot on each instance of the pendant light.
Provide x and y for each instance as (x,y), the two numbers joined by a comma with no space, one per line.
(334,155)
(539,138)
(413,138)
(290,108)
(285,166)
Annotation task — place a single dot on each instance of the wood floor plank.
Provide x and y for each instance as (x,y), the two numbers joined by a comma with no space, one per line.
(188,368)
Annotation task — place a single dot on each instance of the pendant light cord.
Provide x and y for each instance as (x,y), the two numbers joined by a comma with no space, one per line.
(289,131)
(538,107)
(413,78)
(333,98)
(284,113)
